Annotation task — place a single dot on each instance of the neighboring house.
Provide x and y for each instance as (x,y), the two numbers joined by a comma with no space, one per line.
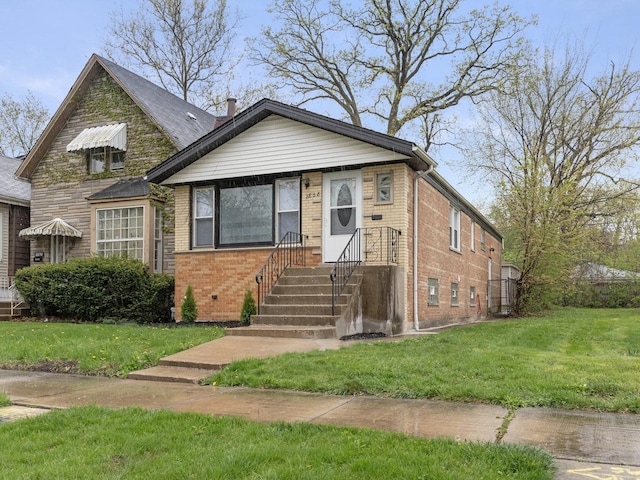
(276,168)
(87,196)
(600,275)
(14,216)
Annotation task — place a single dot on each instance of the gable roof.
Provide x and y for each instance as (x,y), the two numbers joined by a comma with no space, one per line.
(418,159)
(13,190)
(181,121)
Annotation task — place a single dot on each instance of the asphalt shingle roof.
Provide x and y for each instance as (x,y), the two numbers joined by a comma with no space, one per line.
(182,121)
(12,189)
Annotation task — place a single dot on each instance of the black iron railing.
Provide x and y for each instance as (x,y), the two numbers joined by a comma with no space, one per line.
(290,251)
(378,245)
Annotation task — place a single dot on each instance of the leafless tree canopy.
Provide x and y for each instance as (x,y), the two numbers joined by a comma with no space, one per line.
(186,44)
(381,59)
(21,123)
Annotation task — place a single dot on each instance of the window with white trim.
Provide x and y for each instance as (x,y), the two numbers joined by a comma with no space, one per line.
(203,217)
(288,206)
(455,301)
(454,228)
(482,237)
(384,187)
(120,232)
(472,235)
(433,291)
(472,296)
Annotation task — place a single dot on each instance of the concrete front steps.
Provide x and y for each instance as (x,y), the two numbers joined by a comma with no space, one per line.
(299,306)
(170,369)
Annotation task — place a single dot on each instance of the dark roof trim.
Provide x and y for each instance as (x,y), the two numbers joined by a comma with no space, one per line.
(266,107)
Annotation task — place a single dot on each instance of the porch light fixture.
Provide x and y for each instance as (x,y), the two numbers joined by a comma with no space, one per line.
(306,182)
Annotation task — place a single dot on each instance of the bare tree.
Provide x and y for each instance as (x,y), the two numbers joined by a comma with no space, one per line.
(381,59)
(556,144)
(186,44)
(21,123)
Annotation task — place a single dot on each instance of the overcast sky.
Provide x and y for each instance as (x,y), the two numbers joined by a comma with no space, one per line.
(44,44)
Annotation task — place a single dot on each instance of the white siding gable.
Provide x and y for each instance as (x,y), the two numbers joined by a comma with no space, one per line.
(279,145)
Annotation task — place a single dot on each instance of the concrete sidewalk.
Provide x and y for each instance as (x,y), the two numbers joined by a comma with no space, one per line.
(586,444)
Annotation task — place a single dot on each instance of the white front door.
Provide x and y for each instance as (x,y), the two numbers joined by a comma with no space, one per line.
(341,211)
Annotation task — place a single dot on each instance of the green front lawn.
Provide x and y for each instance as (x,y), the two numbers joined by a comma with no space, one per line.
(95,443)
(94,349)
(572,358)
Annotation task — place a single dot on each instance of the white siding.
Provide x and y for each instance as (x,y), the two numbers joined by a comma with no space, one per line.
(277,145)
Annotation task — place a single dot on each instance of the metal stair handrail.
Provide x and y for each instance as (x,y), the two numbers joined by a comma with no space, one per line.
(379,248)
(289,251)
(344,267)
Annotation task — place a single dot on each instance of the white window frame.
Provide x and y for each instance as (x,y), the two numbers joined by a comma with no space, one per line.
(432,294)
(472,235)
(117,239)
(281,211)
(455,297)
(196,217)
(454,228)
(472,296)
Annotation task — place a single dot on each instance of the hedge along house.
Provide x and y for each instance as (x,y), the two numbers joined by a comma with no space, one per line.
(351,197)
(87,194)
(15,197)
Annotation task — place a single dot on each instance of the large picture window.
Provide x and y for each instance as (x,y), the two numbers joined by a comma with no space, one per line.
(120,232)
(246,215)
(234,215)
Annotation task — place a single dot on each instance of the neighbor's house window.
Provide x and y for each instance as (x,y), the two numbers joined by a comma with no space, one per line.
(454,295)
(384,188)
(104,159)
(454,228)
(246,214)
(433,291)
(482,235)
(472,296)
(120,232)
(473,235)
(288,202)
(157,241)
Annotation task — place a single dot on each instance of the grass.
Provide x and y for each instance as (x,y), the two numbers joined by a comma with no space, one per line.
(4,400)
(96,443)
(572,358)
(93,349)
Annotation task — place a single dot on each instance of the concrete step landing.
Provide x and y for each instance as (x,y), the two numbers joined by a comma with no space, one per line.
(164,373)
(283,331)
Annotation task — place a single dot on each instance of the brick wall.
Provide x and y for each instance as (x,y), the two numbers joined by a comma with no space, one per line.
(227,274)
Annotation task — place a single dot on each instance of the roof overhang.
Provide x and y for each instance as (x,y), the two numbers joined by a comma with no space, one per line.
(55,227)
(114,136)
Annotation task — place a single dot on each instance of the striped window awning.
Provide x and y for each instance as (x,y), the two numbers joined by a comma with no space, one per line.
(95,137)
(55,227)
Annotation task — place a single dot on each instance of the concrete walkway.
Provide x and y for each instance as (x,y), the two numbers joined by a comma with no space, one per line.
(585,444)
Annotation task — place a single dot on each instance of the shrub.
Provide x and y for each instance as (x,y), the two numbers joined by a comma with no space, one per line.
(90,289)
(248,308)
(189,309)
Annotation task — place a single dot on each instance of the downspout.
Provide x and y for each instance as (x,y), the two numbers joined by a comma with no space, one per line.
(416,237)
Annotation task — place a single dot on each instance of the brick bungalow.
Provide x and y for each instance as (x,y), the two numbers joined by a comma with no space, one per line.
(425,256)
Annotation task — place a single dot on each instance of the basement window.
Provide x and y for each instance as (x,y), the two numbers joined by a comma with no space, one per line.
(433,291)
